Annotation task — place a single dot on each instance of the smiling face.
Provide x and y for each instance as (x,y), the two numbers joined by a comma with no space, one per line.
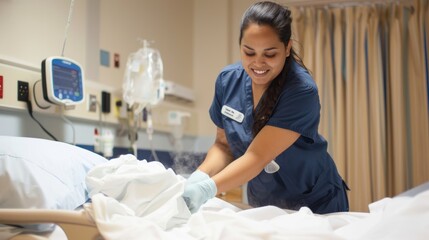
(263,54)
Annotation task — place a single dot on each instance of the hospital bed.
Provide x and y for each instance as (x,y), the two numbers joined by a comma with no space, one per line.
(70,224)
(114,215)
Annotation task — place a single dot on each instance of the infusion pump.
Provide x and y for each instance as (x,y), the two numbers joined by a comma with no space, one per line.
(62,81)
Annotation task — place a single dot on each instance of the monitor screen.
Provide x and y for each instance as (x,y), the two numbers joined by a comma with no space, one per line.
(67,80)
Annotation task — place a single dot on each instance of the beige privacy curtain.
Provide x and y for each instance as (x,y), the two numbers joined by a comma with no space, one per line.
(370,62)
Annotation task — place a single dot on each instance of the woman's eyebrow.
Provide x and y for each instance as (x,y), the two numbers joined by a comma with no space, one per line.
(266,49)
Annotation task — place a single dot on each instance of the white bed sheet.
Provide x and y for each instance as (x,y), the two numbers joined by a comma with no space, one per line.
(389,218)
(396,218)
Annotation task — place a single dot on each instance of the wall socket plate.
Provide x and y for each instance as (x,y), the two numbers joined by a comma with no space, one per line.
(23,91)
(92,103)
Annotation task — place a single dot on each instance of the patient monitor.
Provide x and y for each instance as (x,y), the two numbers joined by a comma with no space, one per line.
(62,81)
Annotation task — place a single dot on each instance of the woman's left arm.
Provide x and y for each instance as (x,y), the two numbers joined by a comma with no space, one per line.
(268,144)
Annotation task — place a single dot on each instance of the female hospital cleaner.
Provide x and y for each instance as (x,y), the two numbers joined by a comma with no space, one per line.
(267,108)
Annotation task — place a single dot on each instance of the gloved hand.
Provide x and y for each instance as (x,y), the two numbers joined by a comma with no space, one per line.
(197,193)
(197,176)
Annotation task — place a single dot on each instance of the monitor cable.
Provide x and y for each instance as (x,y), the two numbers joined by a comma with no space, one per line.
(72,126)
(30,111)
(43,105)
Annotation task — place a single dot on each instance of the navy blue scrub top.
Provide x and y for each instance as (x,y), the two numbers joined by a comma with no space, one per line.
(308,175)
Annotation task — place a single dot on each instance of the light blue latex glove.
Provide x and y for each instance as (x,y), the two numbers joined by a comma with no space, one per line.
(197,193)
(197,176)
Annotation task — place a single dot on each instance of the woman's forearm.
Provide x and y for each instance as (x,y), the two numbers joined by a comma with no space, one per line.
(238,172)
(218,157)
(269,143)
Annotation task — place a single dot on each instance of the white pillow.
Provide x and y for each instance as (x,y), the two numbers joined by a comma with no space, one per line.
(39,173)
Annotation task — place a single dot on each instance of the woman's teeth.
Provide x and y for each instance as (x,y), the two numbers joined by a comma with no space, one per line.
(259,71)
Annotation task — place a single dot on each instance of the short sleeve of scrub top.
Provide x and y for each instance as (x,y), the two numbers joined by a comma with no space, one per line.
(217,103)
(298,108)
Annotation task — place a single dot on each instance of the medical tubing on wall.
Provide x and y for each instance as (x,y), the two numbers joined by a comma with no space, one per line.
(134,134)
(72,126)
(67,26)
(149,131)
(100,120)
(133,124)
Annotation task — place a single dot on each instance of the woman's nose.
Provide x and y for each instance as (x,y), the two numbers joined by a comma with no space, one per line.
(260,60)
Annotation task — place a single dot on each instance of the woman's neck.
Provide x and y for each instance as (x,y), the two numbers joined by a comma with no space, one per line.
(258,91)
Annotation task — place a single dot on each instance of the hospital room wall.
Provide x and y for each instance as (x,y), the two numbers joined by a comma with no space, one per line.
(216,33)
(211,54)
(35,30)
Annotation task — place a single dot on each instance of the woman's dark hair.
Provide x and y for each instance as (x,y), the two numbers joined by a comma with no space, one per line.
(279,18)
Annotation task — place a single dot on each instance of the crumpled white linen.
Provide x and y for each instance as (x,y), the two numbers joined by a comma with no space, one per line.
(393,218)
(267,222)
(130,197)
(142,200)
(390,218)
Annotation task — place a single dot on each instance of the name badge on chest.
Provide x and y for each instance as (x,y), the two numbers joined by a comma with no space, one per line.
(232,113)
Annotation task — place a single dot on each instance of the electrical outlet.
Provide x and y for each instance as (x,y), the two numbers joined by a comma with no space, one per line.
(23,91)
(1,87)
(92,103)
(105,102)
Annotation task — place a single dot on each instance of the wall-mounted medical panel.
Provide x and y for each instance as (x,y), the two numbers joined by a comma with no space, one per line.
(12,72)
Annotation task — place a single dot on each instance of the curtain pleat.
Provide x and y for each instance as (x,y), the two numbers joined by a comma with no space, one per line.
(417,92)
(318,68)
(398,177)
(425,11)
(377,129)
(353,177)
(360,100)
(323,74)
(339,152)
(298,27)
(328,86)
(310,26)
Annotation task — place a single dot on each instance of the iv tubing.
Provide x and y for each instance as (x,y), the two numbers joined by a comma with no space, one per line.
(149,131)
(67,26)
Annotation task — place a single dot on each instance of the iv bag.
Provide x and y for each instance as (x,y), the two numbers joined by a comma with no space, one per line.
(143,79)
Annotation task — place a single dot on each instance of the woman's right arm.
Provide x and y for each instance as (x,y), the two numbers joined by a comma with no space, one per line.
(218,156)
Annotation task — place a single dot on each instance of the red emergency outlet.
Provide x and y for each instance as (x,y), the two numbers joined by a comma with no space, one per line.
(1,87)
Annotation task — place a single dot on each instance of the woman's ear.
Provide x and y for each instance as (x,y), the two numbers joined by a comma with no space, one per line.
(288,48)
